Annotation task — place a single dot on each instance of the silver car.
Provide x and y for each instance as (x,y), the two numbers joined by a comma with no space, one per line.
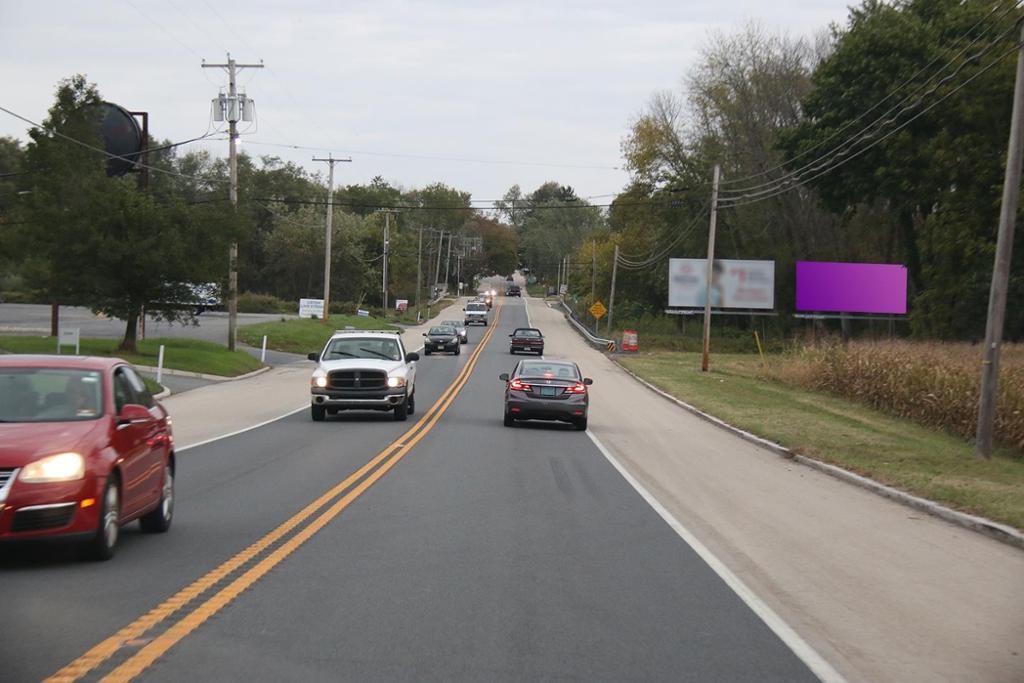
(460,327)
(547,390)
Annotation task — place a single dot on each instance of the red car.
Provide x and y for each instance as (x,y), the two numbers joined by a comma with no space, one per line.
(84,449)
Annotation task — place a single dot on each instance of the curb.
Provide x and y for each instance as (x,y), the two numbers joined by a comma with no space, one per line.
(163,394)
(994,530)
(202,375)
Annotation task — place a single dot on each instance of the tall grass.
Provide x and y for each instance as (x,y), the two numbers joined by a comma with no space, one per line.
(933,383)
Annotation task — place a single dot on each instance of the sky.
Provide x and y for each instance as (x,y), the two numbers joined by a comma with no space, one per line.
(477,95)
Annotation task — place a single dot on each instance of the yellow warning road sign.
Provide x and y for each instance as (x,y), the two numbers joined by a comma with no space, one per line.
(598,310)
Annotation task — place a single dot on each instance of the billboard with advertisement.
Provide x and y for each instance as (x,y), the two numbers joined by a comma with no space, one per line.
(734,283)
(823,286)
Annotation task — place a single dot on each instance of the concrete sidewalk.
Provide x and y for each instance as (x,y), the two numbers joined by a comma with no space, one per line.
(882,592)
(223,408)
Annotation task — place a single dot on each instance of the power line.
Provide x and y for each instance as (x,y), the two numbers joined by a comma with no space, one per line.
(837,159)
(875,106)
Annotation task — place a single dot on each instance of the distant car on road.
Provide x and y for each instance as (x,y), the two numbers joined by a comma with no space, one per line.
(513,291)
(363,370)
(441,338)
(526,339)
(460,328)
(84,449)
(546,390)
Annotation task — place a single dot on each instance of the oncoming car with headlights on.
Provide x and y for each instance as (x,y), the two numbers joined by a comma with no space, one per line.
(363,370)
(441,338)
(546,390)
(84,449)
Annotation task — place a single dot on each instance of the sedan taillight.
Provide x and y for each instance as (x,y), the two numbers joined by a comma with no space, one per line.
(578,388)
(518,386)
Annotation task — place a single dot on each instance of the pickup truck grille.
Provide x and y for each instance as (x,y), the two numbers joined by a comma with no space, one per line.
(358,381)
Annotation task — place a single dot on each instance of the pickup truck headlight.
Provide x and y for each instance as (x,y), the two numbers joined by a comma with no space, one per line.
(395,382)
(319,379)
(54,468)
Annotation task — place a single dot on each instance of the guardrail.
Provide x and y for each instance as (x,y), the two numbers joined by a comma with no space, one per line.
(600,342)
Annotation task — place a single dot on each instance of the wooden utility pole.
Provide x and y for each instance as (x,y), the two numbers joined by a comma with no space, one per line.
(1001,270)
(327,233)
(611,298)
(235,109)
(593,277)
(711,261)
(419,273)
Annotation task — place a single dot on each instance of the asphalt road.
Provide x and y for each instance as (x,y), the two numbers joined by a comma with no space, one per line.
(471,552)
(35,319)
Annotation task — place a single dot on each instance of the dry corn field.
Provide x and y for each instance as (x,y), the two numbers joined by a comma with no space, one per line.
(933,383)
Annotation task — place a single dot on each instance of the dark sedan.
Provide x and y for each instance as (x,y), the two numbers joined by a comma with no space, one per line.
(460,328)
(546,390)
(526,339)
(441,338)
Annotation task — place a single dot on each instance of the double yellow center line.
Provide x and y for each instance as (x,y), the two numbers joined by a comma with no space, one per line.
(348,490)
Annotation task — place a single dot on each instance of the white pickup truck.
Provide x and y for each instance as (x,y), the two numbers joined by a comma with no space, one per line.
(475,313)
(363,370)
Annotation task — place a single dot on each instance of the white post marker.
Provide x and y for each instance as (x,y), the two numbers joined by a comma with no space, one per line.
(263,353)
(160,365)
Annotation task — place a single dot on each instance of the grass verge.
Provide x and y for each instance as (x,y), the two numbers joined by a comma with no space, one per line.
(304,335)
(193,355)
(929,463)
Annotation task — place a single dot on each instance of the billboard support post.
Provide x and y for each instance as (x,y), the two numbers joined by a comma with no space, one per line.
(1001,270)
(711,260)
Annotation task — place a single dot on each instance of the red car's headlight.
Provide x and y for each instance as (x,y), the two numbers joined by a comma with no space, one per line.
(54,468)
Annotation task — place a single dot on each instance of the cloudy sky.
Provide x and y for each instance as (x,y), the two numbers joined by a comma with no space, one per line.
(478,95)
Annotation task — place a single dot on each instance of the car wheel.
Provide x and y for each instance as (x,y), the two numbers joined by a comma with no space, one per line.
(581,424)
(509,420)
(426,351)
(458,350)
(402,411)
(317,413)
(102,545)
(412,403)
(159,519)
(512,351)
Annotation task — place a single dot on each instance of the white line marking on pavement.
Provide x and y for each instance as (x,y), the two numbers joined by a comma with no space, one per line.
(815,662)
(240,431)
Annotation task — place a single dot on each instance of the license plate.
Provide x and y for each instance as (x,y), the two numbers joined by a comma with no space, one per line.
(547,391)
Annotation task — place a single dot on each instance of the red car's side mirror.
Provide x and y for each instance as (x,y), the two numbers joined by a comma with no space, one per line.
(133,414)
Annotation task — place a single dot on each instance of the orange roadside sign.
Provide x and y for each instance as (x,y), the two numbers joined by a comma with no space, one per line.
(598,310)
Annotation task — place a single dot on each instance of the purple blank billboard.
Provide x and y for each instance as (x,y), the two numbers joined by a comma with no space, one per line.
(851,287)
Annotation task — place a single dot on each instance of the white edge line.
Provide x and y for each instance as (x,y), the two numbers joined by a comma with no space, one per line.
(238,431)
(807,654)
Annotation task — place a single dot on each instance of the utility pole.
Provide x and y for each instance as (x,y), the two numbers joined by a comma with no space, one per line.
(233,108)
(331,161)
(593,277)
(387,240)
(611,299)
(448,261)
(710,265)
(437,271)
(1001,270)
(419,272)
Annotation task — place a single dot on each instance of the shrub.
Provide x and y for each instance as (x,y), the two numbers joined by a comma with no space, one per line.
(251,302)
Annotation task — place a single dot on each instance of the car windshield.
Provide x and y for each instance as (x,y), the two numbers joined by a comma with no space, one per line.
(50,395)
(476,307)
(362,347)
(442,330)
(548,370)
(452,323)
(527,333)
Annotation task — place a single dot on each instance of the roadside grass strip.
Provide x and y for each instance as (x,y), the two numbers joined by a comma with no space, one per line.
(304,335)
(131,650)
(929,463)
(193,355)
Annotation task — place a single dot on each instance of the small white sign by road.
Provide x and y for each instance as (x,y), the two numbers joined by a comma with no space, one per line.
(311,308)
(70,337)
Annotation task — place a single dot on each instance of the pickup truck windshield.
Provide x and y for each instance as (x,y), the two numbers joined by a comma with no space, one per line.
(477,308)
(363,347)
